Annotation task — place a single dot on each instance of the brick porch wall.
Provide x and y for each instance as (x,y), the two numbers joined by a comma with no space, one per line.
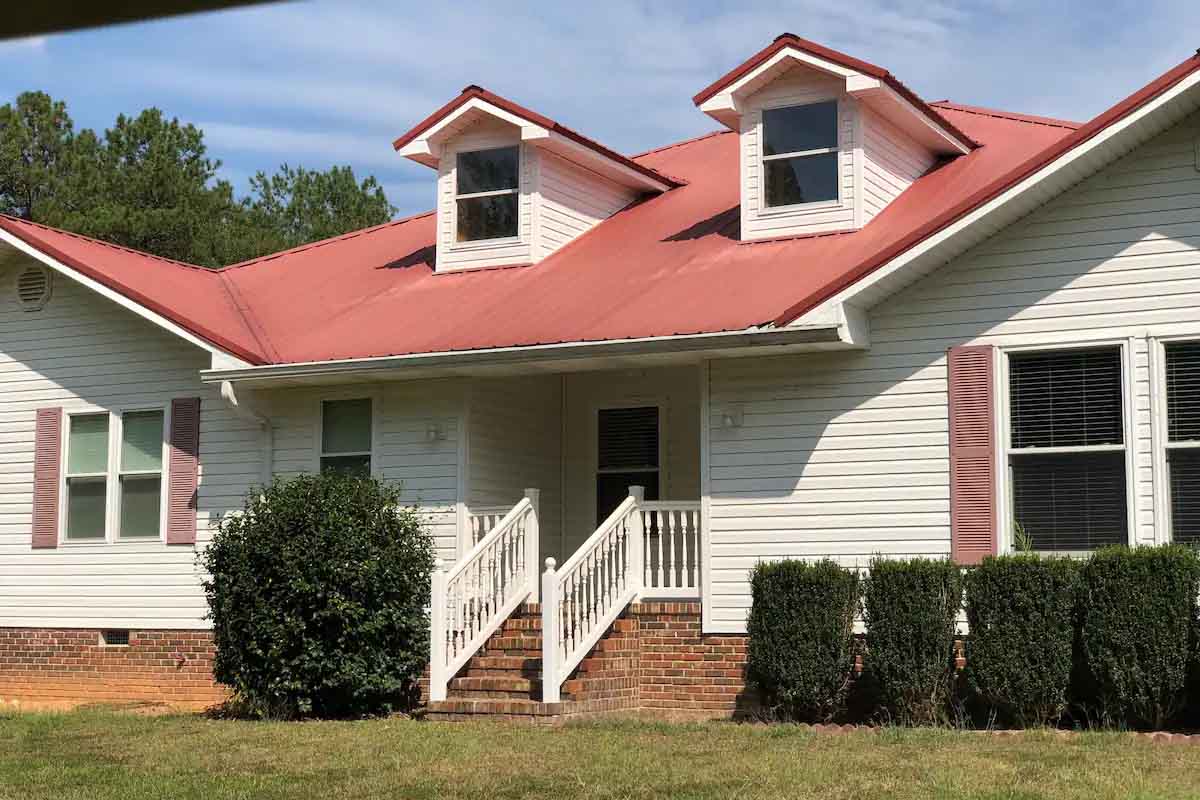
(66,667)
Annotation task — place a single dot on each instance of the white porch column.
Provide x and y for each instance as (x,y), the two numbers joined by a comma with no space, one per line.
(533,541)
(637,545)
(437,633)
(551,682)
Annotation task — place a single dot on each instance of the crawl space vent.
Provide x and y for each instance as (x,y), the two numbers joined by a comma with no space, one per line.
(114,638)
(33,288)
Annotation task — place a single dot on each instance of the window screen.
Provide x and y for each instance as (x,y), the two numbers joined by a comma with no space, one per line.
(1072,498)
(346,435)
(486,187)
(800,159)
(1183,439)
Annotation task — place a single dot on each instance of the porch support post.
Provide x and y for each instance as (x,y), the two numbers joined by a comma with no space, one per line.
(637,547)
(551,684)
(437,633)
(533,541)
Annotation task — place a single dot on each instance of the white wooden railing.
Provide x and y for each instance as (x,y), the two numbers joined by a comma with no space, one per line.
(482,519)
(672,562)
(472,599)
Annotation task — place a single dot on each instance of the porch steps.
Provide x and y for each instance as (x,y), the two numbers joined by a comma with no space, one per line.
(503,680)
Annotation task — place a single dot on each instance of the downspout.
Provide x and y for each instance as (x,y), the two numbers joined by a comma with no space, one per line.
(267,432)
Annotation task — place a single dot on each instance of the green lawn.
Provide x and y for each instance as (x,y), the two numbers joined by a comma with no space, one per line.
(103,755)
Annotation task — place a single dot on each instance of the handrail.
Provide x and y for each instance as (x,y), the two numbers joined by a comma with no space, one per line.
(471,600)
(583,598)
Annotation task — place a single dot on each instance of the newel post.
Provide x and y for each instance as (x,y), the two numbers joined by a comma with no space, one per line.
(550,628)
(437,633)
(532,540)
(637,544)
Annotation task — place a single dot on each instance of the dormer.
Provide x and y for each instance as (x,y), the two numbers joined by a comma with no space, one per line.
(514,186)
(826,141)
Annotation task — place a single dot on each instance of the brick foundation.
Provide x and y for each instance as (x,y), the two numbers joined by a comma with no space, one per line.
(67,667)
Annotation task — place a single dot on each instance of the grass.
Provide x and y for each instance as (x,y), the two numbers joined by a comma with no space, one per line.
(99,755)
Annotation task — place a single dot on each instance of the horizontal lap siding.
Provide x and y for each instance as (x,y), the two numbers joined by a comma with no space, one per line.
(846,454)
(427,472)
(515,443)
(571,201)
(82,350)
(891,162)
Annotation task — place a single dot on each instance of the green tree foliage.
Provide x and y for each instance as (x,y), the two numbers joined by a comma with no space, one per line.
(149,183)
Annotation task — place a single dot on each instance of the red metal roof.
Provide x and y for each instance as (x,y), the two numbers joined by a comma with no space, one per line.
(786,40)
(672,264)
(471,92)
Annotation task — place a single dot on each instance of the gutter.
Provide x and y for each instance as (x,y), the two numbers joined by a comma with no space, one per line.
(830,333)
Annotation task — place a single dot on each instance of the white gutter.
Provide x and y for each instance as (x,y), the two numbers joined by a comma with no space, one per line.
(826,333)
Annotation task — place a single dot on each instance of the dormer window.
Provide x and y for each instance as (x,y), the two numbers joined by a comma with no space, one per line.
(486,193)
(800,154)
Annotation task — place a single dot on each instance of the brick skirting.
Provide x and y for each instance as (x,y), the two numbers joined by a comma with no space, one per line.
(67,667)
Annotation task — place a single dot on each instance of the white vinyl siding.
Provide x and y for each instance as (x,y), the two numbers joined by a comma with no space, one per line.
(85,353)
(891,162)
(799,86)
(845,454)
(515,444)
(571,201)
(404,414)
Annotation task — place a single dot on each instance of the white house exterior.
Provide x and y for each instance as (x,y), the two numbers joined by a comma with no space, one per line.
(863,324)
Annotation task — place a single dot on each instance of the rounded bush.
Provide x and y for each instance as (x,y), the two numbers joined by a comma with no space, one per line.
(1137,626)
(801,627)
(1021,617)
(911,608)
(317,591)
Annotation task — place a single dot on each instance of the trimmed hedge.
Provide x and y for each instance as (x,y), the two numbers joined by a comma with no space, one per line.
(1138,615)
(910,608)
(1021,616)
(801,626)
(317,591)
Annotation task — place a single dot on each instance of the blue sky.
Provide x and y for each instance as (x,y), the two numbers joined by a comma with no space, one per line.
(323,83)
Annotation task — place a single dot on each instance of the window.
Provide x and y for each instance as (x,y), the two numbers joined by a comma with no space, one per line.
(486,192)
(1183,439)
(627,455)
(87,477)
(136,440)
(800,155)
(346,435)
(140,474)
(1067,449)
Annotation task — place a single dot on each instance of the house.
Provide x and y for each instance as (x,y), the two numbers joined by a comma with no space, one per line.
(850,321)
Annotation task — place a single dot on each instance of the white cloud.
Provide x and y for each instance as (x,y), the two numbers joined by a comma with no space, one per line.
(29,43)
(290,145)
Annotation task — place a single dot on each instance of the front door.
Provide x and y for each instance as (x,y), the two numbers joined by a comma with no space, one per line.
(628,454)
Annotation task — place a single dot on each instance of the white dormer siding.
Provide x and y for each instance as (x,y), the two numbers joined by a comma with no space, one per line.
(571,200)
(891,163)
(798,87)
(455,255)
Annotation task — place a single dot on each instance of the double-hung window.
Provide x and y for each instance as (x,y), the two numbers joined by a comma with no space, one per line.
(1066,453)
(346,430)
(800,154)
(486,194)
(114,476)
(1183,439)
(627,454)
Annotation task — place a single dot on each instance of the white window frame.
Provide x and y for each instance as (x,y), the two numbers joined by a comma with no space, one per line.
(1005,450)
(1160,432)
(765,210)
(468,244)
(112,474)
(318,443)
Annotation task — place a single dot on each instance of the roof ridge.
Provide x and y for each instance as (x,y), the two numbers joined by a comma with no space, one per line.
(681,142)
(321,242)
(1015,116)
(110,245)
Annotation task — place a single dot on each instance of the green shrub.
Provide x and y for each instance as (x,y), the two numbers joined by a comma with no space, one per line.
(910,608)
(801,630)
(317,592)
(1137,621)
(1021,618)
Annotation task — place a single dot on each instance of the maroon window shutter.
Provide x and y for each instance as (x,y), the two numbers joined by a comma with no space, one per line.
(182,475)
(47,473)
(972,454)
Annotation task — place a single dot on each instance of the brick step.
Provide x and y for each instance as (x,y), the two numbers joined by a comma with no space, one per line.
(516,626)
(487,652)
(496,684)
(523,643)
(475,672)
(518,663)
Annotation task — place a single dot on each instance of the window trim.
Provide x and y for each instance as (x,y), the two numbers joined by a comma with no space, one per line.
(319,427)
(765,210)
(645,402)
(1003,434)
(1160,443)
(472,244)
(112,474)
